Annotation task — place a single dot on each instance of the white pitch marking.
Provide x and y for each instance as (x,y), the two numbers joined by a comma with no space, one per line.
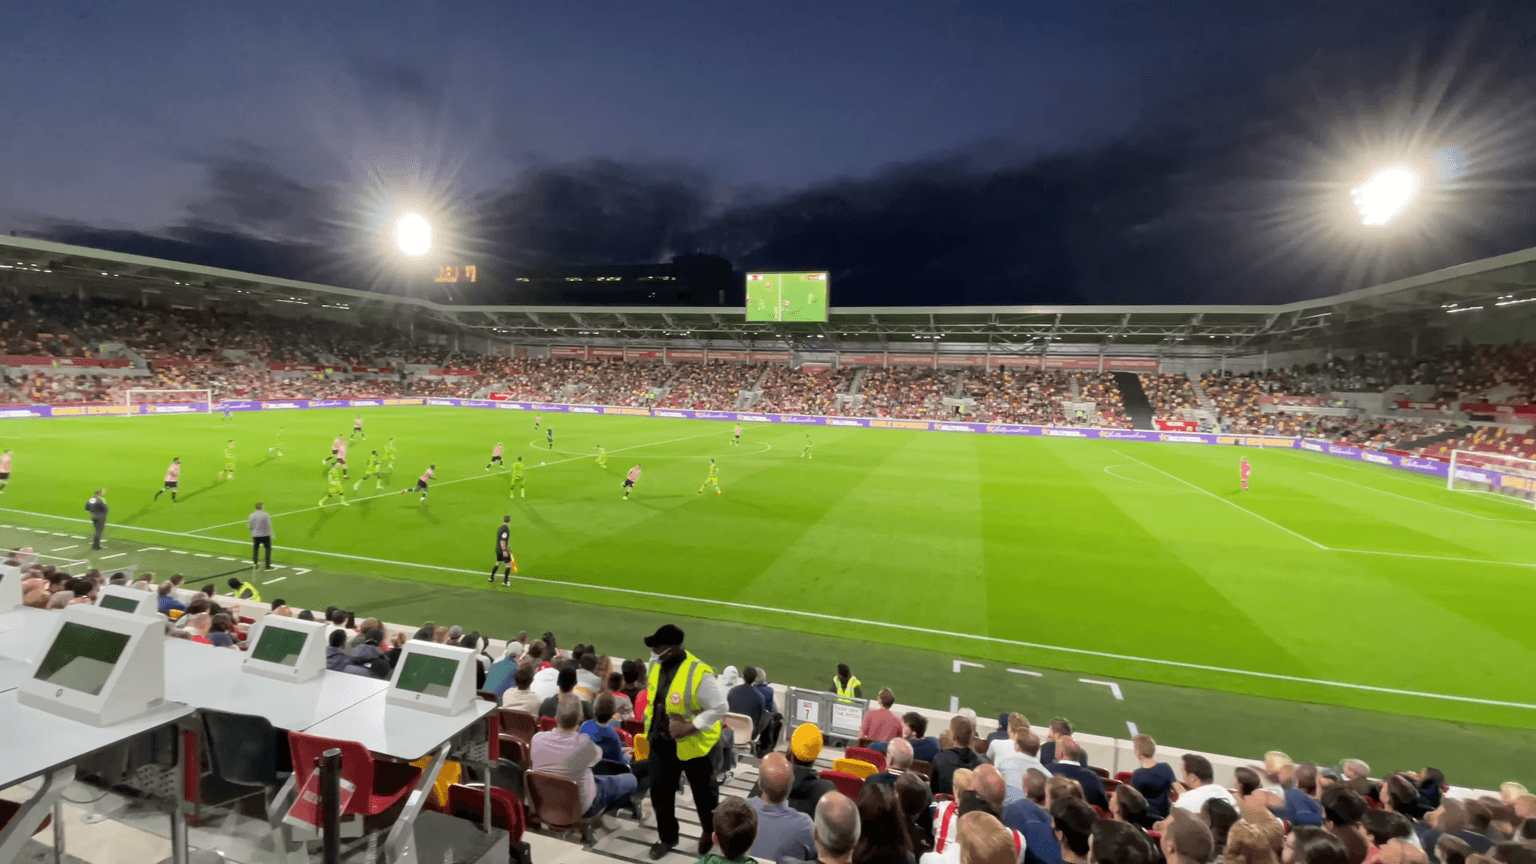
(152,549)
(1436,557)
(959,663)
(886,625)
(299,571)
(1113,687)
(1421,501)
(1132,726)
(1226,502)
(954,704)
(1027,672)
(62,548)
(201,555)
(110,557)
(273,581)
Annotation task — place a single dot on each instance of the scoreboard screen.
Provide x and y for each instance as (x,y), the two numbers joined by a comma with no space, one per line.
(787,296)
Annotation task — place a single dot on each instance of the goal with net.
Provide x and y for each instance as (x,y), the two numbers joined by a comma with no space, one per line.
(188,401)
(1512,477)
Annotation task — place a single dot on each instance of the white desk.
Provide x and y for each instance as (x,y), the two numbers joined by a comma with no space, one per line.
(210,679)
(397,732)
(22,632)
(37,743)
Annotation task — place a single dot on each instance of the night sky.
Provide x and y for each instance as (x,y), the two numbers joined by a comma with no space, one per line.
(925,152)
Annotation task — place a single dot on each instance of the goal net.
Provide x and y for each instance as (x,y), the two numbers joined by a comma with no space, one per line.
(188,401)
(1510,476)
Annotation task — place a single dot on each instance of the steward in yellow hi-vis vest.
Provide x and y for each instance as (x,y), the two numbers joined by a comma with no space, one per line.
(844,684)
(685,703)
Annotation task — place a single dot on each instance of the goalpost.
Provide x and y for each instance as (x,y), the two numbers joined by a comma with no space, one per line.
(1496,473)
(188,401)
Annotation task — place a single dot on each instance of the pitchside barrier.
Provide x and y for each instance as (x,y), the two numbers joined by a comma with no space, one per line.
(1431,467)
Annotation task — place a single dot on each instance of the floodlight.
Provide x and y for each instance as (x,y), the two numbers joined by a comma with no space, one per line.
(413,235)
(1384,194)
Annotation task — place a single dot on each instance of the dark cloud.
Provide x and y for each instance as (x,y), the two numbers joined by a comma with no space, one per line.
(387,84)
(1232,191)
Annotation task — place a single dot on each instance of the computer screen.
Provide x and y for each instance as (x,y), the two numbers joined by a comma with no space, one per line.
(428,675)
(120,604)
(280,645)
(82,658)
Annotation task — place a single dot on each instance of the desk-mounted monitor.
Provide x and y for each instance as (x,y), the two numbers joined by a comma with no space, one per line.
(99,667)
(433,677)
(287,649)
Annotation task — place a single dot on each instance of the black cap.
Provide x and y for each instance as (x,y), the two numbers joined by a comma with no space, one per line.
(668,634)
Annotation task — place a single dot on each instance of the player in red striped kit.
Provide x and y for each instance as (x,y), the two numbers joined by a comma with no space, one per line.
(630,480)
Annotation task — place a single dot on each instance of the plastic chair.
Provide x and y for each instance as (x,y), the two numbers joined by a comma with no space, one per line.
(634,727)
(519,724)
(642,747)
(546,724)
(873,757)
(625,738)
(741,725)
(557,803)
(857,767)
(243,750)
(848,784)
(8,811)
(380,784)
(467,801)
(923,769)
(1102,772)
(1123,776)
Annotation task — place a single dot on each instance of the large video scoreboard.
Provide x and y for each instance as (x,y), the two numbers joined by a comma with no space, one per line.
(787,296)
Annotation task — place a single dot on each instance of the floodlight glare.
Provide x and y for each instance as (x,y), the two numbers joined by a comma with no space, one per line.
(1384,194)
(413,235)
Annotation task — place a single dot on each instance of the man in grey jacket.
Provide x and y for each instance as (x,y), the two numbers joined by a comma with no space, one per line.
(260,523)
(97,507)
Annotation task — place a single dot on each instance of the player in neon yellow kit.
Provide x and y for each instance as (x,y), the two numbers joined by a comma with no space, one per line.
(389,455)
(517,480)
(373,470)
(335,488)
(713,479)
(602,458)
(229,460)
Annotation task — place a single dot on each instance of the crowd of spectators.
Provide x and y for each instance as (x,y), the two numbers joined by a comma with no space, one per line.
(1169,394)
(1014,796)
(1030,396)
(1100,389)
(786,390)
(711,386)
(909,392)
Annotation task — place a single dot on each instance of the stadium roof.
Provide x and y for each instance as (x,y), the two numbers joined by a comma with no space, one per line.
(1415,302)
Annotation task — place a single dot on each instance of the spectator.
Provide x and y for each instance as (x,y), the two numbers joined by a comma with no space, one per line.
(915,797)
(961,755)
(1001,741)
(808,787)
(782,831)
(836,827)
(1113,842)
(773,725)
(1450,849)
(884,835)
(356,639)
(844,684)
(601,733)
(1153,779)
(197,625)
(1186,839)
(1301,806)
(1450,817)
(1073,821)
(502,676)
(1022,812)
(522,698)
(1198,786)
(984,840)
(1018,758)
(1306,844)
(1392,836)
(744,699)
(1069,763)
(565,752)
(369,660)
(588,684)
(1059,728)
(167,602)
(623,709)
(1128,805)
(565,682)
(1254,841)
(898,761)
(881,724)
(735,830)
(1219,816)
(221,631)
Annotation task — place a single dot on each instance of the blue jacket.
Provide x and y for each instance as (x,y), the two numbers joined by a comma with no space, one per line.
(1300,808)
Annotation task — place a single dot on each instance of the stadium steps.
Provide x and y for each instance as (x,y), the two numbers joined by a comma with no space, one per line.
(1134,400)
(858,381)
(1458,432)
(1200,395)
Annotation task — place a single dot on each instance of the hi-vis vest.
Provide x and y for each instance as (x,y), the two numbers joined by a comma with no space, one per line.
(839,689)
(683,703)
(248,592)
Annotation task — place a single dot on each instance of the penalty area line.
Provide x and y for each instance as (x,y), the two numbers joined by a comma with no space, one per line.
(1232,504)
(884,625)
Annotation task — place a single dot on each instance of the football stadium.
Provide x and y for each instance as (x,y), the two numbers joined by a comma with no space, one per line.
(1296,529)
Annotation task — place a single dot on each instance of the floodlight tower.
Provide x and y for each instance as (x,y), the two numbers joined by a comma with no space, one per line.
(413,235)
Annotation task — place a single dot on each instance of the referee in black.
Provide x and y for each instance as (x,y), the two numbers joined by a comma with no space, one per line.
(260,522)
(504,552)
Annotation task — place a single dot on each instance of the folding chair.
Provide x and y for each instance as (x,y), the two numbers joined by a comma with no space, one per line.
(557,803)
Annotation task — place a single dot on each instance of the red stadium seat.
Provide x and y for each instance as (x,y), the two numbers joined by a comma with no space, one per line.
(380,784)
(848,784)
(864,754)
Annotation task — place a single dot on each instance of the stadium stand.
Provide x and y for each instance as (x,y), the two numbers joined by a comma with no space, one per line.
(1275,793)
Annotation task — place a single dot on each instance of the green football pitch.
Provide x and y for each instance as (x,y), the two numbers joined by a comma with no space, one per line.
(1334,609)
